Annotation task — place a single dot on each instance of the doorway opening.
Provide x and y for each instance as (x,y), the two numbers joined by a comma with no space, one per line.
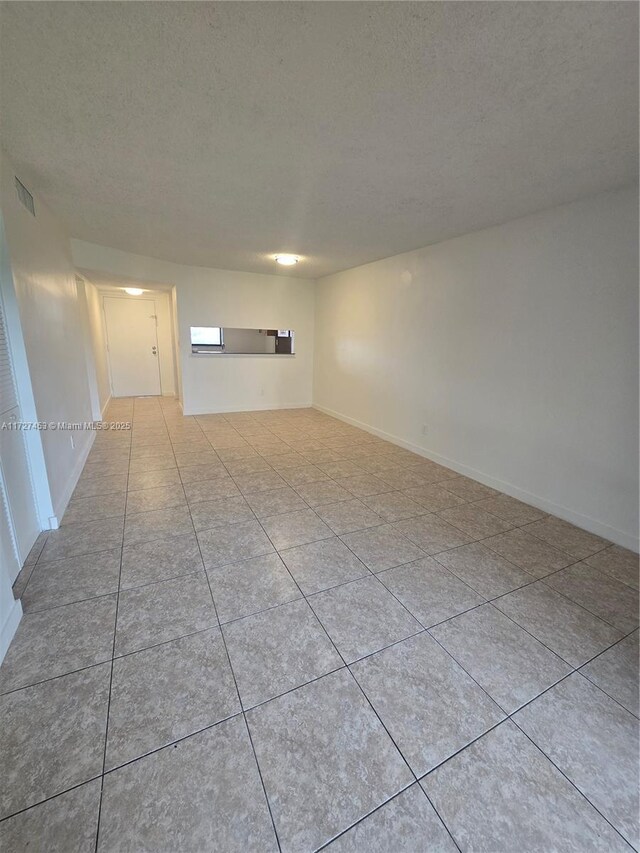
(134,337)
(132,346)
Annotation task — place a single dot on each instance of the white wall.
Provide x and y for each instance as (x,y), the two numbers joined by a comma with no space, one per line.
(516,346)
(215,383)
(210,297)
(50,316)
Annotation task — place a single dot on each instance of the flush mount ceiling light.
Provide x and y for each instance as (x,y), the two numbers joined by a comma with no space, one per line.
(133,291)
(286,260)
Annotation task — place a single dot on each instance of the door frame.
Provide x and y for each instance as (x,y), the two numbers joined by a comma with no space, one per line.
(18,559)
(92,373)
(124,298)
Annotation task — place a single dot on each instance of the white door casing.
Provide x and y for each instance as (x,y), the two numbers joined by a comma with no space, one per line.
(132,344)
(8,546)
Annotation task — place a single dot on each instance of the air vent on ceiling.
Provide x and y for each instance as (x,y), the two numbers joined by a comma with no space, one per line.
(25,197)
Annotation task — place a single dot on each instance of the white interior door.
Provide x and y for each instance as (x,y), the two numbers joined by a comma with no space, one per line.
(15,474)
(132,342)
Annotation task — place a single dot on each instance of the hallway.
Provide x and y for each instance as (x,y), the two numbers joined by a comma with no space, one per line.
(272,630)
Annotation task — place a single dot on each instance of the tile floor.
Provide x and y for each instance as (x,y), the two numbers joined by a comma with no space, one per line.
(271,630)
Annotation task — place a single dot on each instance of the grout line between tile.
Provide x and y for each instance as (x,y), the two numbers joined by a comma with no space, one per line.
(113,649)
(233,675)
(570,781)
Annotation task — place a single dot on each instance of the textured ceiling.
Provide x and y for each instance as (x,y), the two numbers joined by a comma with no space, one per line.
(217,133)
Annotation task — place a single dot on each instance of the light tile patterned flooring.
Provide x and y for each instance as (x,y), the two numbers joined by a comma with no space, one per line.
(273,630)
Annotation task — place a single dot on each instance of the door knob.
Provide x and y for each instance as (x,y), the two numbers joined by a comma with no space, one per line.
(154,350)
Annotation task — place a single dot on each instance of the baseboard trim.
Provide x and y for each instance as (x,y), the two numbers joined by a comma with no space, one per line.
(61,504)
(9,628)
(224,410)
(104,408)
(619,537)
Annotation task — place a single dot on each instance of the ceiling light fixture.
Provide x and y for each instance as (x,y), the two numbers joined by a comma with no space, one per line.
(286,260)
(133,291)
